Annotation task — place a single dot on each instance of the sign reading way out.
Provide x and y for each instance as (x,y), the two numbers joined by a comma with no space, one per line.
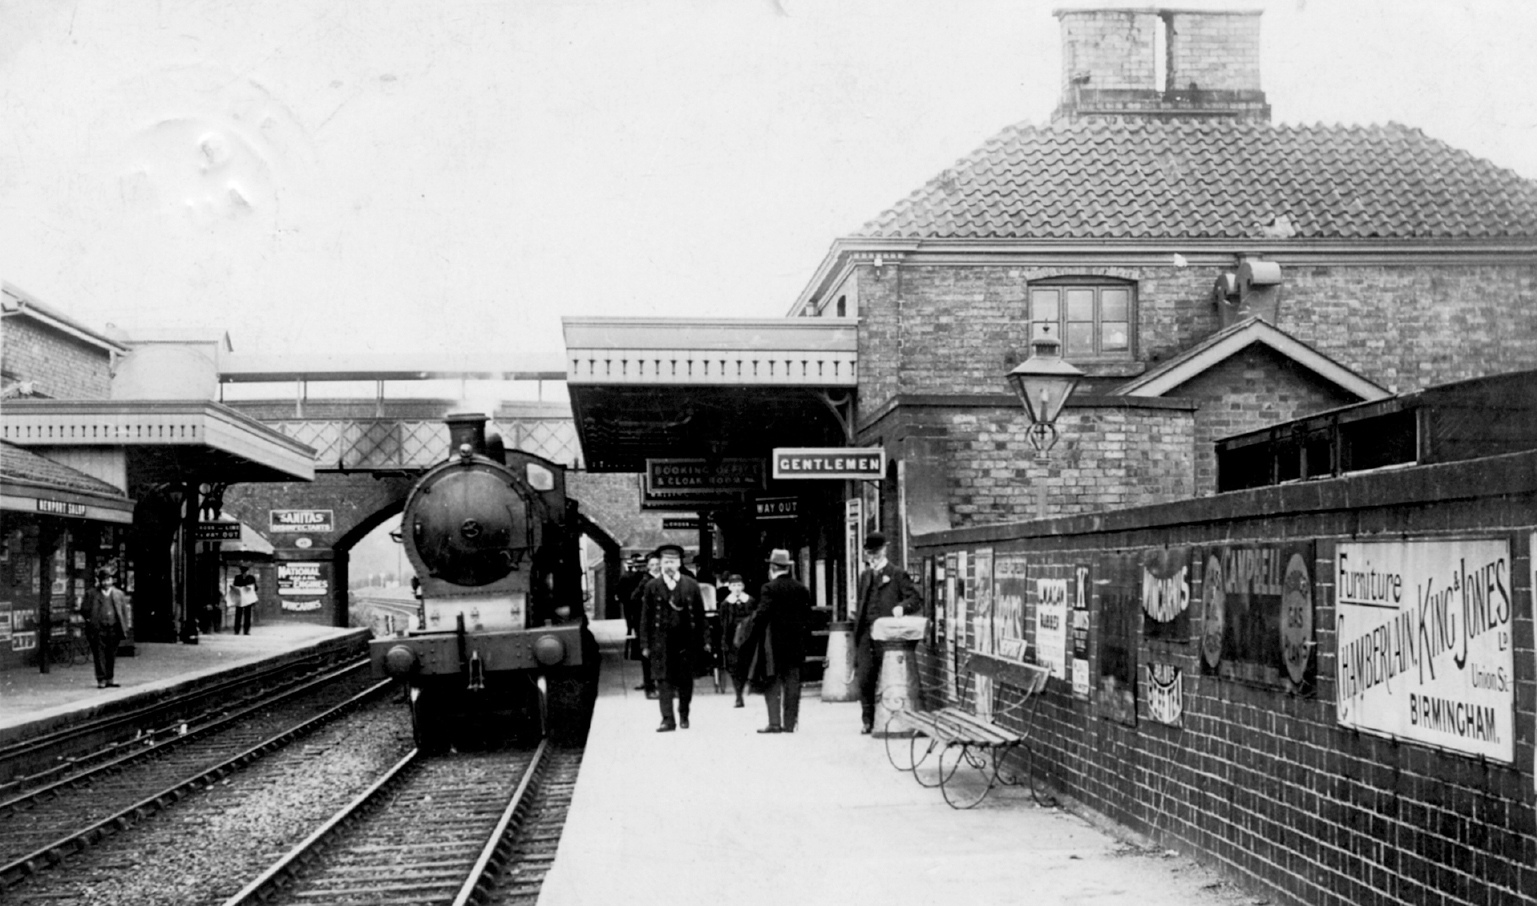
(843,463)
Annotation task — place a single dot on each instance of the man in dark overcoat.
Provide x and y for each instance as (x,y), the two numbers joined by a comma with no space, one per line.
(779,637)
(630,588)
(883,588)
(673,635)
(104,610)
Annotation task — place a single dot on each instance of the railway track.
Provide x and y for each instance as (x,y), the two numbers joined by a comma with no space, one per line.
(43,823)
(457,829)
(42,759)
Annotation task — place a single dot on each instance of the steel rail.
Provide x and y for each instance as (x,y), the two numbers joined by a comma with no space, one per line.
(140,748)
(499,845)
(492,857)
(58,850)
(160,712)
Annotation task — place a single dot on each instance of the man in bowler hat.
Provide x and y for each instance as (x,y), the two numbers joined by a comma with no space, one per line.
(778,643)
(673,635)
(884,591)
(104,609)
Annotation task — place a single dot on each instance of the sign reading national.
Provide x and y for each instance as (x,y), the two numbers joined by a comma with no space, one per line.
(841,463)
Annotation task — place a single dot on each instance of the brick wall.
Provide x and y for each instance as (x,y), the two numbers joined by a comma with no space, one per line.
(1265,781)
(1214,51)
(1114,46)
(1251,389)
(60,366)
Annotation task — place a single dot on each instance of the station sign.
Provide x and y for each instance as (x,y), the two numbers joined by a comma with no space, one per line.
(60,507)
(770,508)
(680,523)
(842,463)
(217,531)
(311,521)
(698,484)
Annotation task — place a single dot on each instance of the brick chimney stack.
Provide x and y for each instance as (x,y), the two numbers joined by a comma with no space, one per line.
(1211,61)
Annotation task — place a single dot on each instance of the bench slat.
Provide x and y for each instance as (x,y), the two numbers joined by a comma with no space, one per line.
(975,727)
(1027,678)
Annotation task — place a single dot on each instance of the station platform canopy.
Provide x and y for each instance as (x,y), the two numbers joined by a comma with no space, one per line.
(653,388)
(162,440)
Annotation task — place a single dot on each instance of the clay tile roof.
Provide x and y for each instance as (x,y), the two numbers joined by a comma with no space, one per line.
(1214,180)
(21,465)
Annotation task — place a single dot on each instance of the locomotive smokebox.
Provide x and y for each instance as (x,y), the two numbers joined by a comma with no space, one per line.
(466,428)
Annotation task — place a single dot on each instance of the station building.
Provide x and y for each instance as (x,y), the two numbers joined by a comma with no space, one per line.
(1307,354)
(112,451)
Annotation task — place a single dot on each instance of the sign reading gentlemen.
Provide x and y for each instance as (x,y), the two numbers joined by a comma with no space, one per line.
(840,463)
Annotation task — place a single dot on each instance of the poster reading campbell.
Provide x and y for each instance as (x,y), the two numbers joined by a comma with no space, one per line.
(1425,643)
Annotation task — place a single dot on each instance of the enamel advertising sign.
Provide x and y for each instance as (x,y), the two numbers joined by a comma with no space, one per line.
(1425,653)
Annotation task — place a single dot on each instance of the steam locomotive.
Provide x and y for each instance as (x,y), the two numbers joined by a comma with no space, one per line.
(501,649)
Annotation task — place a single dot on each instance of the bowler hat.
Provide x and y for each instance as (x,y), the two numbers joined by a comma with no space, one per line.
(674,549)
(106,571)
(780,557)
(874,541)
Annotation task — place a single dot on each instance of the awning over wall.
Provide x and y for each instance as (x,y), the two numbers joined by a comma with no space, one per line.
(714,388)
(163,440)
(30,483)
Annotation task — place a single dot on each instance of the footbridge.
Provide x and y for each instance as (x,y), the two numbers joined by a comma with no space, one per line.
(375,423)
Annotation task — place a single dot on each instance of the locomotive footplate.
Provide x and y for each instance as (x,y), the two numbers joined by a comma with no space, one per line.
(439,653)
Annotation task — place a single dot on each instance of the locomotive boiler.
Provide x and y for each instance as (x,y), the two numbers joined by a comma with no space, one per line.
(501,648)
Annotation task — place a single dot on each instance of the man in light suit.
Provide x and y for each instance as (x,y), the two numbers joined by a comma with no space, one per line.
(104,609)
(883,590)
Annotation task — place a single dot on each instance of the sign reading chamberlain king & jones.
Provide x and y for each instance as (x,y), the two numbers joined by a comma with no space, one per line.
(1425,643)
(312,521)
(843,463)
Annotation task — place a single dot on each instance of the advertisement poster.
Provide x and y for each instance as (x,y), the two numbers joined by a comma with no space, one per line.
(1166,594)
(1257,614)
(941,600)
(1120,616)
(1051,625)
(1009,606)
(955,619)
(853,542)
(1080,625)
(980,591)
(302,579)
(5,620)
(23,641)
(1165,693)
(1425,643)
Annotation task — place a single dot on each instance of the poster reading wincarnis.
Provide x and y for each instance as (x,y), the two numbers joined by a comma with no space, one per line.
(1166,594)
(1425,643)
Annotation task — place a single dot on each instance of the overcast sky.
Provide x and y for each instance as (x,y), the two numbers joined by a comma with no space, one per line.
(316,175)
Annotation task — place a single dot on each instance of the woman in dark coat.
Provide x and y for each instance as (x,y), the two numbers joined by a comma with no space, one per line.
(778,644)
(734,608)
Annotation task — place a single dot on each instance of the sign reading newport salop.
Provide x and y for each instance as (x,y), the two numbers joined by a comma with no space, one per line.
(1424,635)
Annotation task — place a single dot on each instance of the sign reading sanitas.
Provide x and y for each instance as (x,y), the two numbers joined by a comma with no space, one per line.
(830,462)
(313,521)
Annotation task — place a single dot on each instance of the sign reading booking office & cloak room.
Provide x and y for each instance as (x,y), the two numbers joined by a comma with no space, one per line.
(841,463)
(1425,643)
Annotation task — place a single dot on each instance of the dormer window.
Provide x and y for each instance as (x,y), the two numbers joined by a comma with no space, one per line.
(1093,319)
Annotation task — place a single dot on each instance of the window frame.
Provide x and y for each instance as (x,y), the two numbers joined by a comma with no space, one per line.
(1098,284)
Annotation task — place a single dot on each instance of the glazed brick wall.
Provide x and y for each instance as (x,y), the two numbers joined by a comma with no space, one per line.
(948,329)
(61,366)
(1252,389)
(1268,785)
(1214,51)
(1114,46)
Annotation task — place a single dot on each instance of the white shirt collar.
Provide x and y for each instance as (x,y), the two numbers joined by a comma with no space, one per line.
(672,581)
(878,565)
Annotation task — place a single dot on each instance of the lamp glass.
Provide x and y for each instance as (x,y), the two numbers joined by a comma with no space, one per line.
(1044,381)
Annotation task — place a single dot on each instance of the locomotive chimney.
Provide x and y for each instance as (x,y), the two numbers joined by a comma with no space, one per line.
(466,428)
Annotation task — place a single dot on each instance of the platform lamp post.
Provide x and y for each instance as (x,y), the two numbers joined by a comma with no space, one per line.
(1043,383)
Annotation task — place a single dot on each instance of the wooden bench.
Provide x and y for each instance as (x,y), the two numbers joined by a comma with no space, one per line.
(958,735)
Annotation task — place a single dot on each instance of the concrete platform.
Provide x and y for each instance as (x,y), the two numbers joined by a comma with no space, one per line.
(33,702)
(720,814)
